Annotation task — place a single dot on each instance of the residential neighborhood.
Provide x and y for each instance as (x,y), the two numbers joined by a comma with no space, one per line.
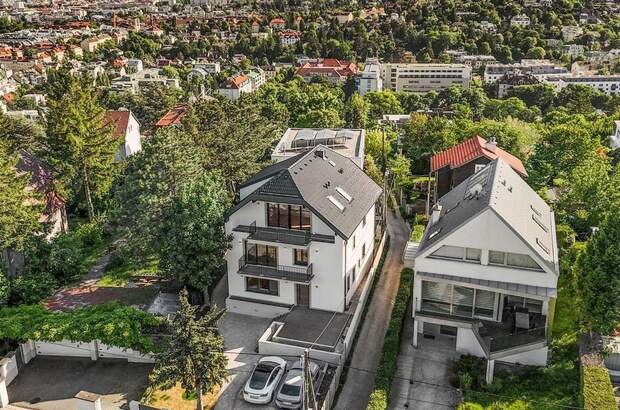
(292,204)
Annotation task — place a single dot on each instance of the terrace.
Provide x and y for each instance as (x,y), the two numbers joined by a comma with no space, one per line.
(282,235)
(301,274)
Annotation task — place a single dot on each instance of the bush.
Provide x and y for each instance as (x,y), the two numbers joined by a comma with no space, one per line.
(32,288)
(391,345)
(4,289)
(64,260)
(417,232)
(89,234)
(469,372)
(597,391)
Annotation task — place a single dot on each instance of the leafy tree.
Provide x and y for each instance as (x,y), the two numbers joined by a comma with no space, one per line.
(20,134)
(321,118)
(4,289)
(356,112)
(372,170)
(382,103)
(235,137)
(78,146)
(192,241)
(540,95)
(400,169)
(194,356)
(423,137)
(599,279)
(168,160)
(19,214)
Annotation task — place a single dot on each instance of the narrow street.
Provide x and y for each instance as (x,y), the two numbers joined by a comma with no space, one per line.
(367,352)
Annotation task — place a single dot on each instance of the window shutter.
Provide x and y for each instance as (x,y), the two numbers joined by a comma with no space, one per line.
(436,291)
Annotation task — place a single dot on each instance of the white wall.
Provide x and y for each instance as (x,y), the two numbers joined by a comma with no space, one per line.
(467,343)
(485,232)
(65,348)
(536,357)
(132,138)
(364,234)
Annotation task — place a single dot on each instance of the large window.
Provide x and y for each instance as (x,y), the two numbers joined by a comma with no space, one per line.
(300,257)
(457,252)
(516,260)
(457,300)
(259,285)
(288,216)
(261,254)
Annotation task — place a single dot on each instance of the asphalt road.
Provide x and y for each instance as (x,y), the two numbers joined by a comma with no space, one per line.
(359,384)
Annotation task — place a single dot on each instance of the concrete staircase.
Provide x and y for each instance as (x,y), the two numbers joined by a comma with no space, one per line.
(409,253)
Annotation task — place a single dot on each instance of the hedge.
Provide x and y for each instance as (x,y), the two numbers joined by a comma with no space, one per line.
(597,391)
(391,345)
(417,233)
(111,323)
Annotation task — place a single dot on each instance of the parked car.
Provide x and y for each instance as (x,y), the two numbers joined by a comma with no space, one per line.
(261,385)
(290,393)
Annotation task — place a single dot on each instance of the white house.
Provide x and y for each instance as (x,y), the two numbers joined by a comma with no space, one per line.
(303,235)
(520,20)
(487,269)
(234,86)
(369,79)
(126,128)
(609,84)
(614,140)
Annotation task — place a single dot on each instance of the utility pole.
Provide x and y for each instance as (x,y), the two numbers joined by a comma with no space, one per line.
(309,400)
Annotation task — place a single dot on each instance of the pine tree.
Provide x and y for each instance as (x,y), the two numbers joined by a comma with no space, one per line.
(194,356)
(78,145)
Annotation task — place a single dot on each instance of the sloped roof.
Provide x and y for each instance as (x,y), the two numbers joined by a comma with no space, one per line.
(510,197)
(41,181)
(311,179)
(470,150)
(174,116)
(119,119)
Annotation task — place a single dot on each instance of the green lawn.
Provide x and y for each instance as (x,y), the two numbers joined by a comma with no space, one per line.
(121,275)
(541,388)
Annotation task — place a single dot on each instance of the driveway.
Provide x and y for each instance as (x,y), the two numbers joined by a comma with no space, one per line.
(51,383)
(359,384)
(422,380)
(240,333)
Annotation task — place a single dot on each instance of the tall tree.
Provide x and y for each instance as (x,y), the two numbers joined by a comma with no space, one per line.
(356,112)
(19,213)
(153,177)
(599,278)
(192,241)
(78,145)
(194,356)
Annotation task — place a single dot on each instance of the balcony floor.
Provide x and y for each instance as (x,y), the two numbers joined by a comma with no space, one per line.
(273,272)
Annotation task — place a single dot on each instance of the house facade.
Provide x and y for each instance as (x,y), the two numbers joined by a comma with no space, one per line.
(303,235)
(422,78)
(126,128)
(487,269)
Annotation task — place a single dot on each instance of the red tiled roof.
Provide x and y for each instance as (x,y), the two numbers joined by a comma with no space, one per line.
(120,120)
(328,66)
(470,150)
(174,116)
(235,81)
(277,20)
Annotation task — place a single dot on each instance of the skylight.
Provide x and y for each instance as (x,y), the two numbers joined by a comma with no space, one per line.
(543,246)
(336,202)
(540,223)
(433,234)
(345,194)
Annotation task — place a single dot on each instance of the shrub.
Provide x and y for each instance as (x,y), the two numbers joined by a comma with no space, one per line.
(32,288)
(90,234)
(597,391)
(417,232)
(4,289)
(391,345)
(64,260)
(469,369)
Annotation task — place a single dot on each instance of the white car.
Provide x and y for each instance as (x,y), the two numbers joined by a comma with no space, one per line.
(291,392)
(264,379)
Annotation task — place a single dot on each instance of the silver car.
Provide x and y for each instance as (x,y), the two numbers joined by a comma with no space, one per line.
(290,393)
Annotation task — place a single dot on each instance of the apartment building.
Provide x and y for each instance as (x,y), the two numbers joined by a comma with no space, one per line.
(133,82)
(539,69)
(609,84)
(422,78)
(487,270)
(345,141)
(303,235)
(369,79)
(336,71)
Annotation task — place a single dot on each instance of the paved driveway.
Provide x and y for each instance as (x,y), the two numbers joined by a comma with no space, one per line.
(422,379)
(367,352)
(51,383)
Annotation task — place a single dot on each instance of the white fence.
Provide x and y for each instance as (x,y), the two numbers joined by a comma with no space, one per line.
(94,350)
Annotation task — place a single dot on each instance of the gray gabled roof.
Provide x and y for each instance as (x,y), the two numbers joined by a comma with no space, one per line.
(499,188)
(311,179)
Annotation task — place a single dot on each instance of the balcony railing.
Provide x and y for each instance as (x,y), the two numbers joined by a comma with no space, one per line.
(282,235)
(292,273)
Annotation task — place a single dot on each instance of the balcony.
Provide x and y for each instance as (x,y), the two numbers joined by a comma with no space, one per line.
(292,273)
(282,235)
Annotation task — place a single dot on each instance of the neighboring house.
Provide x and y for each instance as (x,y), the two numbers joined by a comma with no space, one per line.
(486,270)
(289,37)
(173,117)
(234,86)
(257,77)
(133,82)
(277,23)
(540,69)
(511,80)
(125,127)
(614,140)
(346,141)
(520,20)
(609,84)
(90,44)
(303,235)
(369,79)
(336,71)
(422,78)
(54,215)
(570,33)
(451,167)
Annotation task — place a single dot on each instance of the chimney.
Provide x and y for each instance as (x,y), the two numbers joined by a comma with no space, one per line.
(491,144)
(435,214)
(320,154)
